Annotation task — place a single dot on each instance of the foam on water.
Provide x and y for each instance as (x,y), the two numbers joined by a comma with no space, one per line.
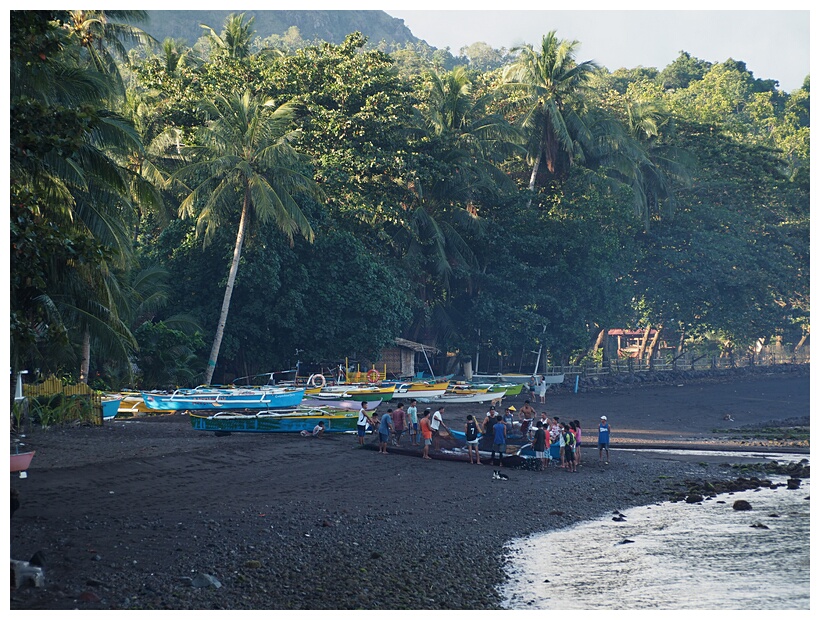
(684,556)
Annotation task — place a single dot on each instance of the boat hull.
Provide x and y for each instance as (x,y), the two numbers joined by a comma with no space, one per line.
(215,400)
(420,390)
(275,422)
(339,403)
(358,394)
(455,399)
(110,408)
(21,461)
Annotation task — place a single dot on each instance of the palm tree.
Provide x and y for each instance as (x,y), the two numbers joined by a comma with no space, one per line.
(554,85)
(475,141)
(65,169)
(104,39)
(645,160)
(235,40)
(243,157)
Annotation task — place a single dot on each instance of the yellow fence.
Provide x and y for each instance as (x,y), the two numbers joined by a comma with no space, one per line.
(53,386)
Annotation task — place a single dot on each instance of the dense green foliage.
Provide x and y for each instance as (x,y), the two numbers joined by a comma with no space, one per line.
(336,196)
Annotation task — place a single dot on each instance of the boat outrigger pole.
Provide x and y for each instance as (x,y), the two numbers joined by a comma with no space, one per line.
(432,374)
(540,348)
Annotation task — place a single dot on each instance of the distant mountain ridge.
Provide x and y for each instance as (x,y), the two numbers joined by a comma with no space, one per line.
(330,26)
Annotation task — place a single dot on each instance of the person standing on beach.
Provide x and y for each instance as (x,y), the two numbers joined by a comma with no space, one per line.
(569,448)
(426,433)
(539,444)
(471,436)
(413,423)
(604,431)
(436,424)
(499,441)
(509,419)
(531,385)
(576,426)
(399,423)
(362,422)
(527,415)
(385,428)
(542,390)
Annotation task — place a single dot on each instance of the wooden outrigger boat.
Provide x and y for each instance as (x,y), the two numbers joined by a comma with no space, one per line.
(203,398)
(454,398)
(288,421)
(360,393)
(133,404)
(420,389)
(336,402)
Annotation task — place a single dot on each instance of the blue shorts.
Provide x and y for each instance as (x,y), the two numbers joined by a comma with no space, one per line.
(383,437)
(500,447)
(601,446)
(360,428)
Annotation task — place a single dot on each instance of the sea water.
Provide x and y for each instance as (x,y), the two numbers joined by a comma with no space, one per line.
(672,556)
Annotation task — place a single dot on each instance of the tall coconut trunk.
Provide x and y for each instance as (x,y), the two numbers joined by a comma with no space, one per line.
(226,302)
(85,356)
(533,176)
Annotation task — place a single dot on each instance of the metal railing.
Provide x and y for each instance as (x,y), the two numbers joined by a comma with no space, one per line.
(685,362)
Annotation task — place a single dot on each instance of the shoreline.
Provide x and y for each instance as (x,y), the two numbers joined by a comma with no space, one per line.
(132,514)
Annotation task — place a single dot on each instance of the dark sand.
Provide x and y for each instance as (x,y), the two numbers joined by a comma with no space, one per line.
(132,514)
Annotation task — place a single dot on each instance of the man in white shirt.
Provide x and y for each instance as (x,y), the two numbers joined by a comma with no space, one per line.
(436,424)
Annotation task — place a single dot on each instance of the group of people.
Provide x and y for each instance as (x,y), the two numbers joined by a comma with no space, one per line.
(422,428)
(548,436)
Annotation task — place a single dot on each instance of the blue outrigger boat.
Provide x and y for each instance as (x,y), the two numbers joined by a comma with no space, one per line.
(215,399)
(287,421)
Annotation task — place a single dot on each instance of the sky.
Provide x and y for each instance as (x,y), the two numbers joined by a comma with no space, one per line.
(773,44)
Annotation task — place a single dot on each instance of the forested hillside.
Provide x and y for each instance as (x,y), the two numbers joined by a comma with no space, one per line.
(330,26)
(192,212)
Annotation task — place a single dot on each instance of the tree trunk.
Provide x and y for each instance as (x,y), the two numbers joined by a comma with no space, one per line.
(85,356)
(533,176)
(226,302)
(654,345)
(802,340)
(644,342)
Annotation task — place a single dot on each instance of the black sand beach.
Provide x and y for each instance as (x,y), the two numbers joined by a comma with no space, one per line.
(144,513)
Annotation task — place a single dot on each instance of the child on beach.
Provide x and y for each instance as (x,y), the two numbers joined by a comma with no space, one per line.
(603,439)
(577,442)
(569,448)
(539,444)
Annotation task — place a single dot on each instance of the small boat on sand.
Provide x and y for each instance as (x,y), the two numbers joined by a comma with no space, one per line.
(110,407)
(287,421)
(20,461)
(420,389)
(207,398)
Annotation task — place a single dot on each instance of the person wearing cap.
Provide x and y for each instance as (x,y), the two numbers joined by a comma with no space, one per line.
(489,420)
(603,439)
(509,418)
